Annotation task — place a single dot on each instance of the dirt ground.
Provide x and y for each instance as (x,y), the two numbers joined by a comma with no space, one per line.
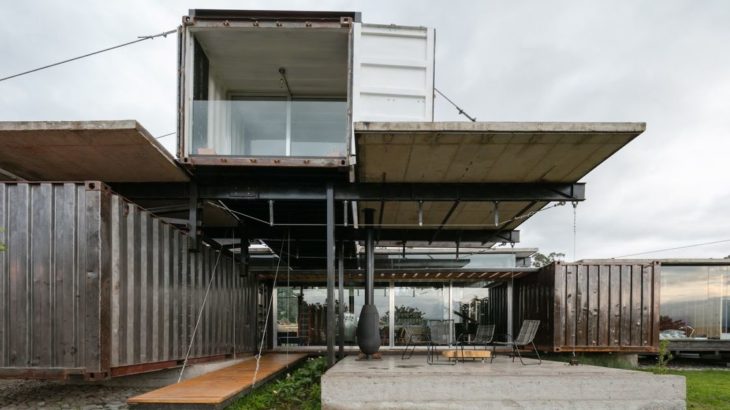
(32,394)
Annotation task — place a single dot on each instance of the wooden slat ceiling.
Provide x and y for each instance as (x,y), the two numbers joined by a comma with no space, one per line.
(428,276)
(110,151)
(453,152)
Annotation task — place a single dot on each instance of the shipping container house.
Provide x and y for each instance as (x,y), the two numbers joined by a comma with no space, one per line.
(307,136)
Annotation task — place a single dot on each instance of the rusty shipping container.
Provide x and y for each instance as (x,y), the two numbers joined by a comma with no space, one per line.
(94,286)
(590,306)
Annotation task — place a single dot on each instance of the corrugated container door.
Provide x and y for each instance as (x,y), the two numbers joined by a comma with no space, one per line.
(393,69)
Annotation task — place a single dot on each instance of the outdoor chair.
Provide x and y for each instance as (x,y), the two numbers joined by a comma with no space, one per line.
(525,338)
(414,336)
(483,337)
(439,335)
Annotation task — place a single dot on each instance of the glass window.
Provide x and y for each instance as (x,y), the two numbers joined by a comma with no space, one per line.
(416,306)
(301,314)
(694,302)
(467,304)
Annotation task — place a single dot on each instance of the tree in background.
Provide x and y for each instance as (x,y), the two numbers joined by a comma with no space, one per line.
(539,260)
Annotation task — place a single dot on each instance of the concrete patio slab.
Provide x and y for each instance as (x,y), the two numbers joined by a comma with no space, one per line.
(392,383)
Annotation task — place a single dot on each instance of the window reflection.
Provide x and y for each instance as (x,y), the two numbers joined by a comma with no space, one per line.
(695,302)
(301,314)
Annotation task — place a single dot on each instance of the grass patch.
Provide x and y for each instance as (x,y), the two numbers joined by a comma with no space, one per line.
(299,389)
(706,389)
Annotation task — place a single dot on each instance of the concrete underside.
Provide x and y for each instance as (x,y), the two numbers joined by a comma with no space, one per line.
(392,383)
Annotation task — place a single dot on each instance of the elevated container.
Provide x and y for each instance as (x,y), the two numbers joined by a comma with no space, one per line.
(278,88)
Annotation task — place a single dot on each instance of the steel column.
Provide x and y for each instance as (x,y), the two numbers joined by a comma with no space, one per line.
(369,258)
(510,308)
(193,216)
(330,276)
(341,298)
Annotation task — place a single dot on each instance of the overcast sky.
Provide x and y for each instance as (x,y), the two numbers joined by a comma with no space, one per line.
(663,62)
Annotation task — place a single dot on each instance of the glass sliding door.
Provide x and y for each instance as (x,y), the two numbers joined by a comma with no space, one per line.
(417,307)
(467,307)
(301,314)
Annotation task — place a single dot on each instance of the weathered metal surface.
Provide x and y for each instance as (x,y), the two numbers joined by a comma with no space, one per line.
(90,281)
(600,306)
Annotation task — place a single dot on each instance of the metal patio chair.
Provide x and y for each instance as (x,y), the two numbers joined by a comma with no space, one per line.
(439,335)
(483,337)
(525,338)
(414,336)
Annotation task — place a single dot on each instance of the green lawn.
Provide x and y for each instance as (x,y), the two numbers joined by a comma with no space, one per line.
(706,389)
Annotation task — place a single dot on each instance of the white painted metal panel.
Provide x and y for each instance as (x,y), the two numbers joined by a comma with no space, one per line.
(393,68)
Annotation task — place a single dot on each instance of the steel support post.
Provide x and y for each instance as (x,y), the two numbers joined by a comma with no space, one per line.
(193,217)
(369,258)
(341,298)
(510,309)
(330,276)
(244,255)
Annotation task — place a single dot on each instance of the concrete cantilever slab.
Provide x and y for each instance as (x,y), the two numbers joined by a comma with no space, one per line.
(110,151)
(481,152)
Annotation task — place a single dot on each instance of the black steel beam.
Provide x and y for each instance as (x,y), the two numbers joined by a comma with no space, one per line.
(469,192)
(315,234)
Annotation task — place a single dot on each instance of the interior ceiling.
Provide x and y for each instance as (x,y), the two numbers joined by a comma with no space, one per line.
(453,152)
(248,60)
(109,151)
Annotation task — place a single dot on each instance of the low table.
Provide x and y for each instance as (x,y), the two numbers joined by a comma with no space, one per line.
(466,354)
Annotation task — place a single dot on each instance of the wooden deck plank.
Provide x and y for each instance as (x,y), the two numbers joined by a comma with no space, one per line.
(218,386)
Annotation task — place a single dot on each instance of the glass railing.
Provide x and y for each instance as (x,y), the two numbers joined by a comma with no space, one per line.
(269,127)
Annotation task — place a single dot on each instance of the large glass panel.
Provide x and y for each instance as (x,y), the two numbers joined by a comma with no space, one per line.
(467,305)
(693,302)
(302,314)
(287,316)
(269,127)
(318,128)
(417,307)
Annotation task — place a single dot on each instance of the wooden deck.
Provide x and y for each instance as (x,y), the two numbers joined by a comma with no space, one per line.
(217,388)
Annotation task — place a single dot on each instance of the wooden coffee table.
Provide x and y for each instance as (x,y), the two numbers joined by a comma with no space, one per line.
(467,354)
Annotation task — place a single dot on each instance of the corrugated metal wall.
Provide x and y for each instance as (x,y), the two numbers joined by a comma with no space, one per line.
(496,310)
(606,306)
(533,298)
(91,283)
(159,287)
(596,306)
(49,275)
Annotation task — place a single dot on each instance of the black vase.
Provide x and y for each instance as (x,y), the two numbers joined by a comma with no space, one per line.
(368,330)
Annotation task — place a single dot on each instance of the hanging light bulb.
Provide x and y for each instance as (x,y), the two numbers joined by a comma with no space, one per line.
(420,213)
